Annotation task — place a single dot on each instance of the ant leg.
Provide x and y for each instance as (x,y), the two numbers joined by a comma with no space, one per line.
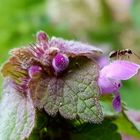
(121,57)
(136,55)
(128,57)
(118,55)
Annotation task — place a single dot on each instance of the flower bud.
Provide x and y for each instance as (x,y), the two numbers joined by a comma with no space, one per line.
(42,36)
(34,71)
(60,62)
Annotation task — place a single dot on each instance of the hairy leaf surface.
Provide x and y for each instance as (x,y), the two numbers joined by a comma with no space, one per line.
(75,95)
(17,114)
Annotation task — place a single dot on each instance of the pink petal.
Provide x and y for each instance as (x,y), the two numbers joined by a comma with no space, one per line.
(117,103)
(120,70)
(74,48)
(102,61)
(108,86)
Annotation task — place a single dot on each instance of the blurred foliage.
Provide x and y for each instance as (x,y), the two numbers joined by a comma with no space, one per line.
(125,126)
(59,128)
(104,131)
(19,22)
(130,94)
(135,9)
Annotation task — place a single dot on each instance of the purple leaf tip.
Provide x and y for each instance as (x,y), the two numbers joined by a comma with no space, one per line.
(60,62)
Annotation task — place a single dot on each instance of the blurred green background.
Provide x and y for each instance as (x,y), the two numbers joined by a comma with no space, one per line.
(110,24)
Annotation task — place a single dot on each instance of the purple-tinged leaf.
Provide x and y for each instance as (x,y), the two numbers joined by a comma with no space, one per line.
(13,69)
(9,67)
(17,114)
(74,48)
(47,92)
(23,55)
(74,95)
(120,70)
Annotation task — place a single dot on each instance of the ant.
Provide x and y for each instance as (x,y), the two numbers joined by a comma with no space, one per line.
(119,53)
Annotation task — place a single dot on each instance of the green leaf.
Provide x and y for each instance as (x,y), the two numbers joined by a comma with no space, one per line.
(41,126)
(130,91)
(105,131)
(75,95)
(17,114)
(122,120)
(126,126)
(134,117)
(81,94)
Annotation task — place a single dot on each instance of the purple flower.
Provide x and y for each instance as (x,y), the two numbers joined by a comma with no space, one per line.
(110,79)
(102,61)
(60,62)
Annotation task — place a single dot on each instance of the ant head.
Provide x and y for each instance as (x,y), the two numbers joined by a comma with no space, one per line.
(112,54)
(129,51)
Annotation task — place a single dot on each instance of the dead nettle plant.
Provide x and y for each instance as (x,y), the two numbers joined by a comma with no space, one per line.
(60,77)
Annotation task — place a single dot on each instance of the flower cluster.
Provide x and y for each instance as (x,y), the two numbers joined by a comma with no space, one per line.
(50,60)
(45,57)
(59,76)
